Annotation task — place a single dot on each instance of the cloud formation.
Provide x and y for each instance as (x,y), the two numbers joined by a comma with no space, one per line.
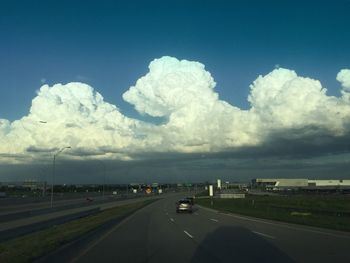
(344,78)
(196,120)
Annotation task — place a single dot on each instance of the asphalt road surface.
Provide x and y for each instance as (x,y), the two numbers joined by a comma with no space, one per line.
(13,221)
(157,233)
(17,205)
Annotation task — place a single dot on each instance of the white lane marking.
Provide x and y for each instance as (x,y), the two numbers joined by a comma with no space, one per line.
(215,220)
(280,224)
(167,213)
(196,214)
(172,219)
(264,235)
(188,234)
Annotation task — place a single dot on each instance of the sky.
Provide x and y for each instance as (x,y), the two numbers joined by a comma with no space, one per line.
(170,90)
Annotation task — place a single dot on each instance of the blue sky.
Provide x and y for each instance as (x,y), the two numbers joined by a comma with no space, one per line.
(109,44)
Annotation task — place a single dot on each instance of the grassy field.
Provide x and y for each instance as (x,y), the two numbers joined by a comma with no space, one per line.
(29,247)
(328,211)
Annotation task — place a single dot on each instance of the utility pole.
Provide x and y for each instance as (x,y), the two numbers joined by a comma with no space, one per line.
(53,171)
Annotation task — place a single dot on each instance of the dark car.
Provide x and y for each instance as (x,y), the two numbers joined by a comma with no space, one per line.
(184,205)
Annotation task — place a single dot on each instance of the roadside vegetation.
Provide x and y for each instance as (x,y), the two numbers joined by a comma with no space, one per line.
(328,211)
(32,246)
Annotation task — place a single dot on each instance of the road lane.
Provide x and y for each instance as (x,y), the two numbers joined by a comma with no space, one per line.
(35,219)
(302,243)
(151,236)
(224,242)
(147,236)
(158,234)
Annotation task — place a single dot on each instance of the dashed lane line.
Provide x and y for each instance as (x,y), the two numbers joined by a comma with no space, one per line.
(214,220)
(188,234)
(264,235)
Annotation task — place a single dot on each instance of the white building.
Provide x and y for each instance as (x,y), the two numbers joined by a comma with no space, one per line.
(300,183)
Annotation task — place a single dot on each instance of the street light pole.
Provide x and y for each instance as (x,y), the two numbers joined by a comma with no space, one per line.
(53,170)
(104,180)
(104,176)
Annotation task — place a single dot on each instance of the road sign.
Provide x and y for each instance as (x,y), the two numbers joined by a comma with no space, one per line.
(211,192)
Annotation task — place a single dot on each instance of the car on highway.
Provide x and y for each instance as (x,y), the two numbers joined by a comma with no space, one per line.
(184,205)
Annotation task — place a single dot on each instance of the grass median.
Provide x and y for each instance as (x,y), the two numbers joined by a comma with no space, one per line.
(32,246)
(327,211)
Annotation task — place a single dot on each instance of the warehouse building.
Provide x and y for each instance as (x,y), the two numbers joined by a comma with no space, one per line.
(300,183)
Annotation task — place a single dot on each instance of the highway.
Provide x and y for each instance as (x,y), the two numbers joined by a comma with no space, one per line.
(17,205)
(157,233)
(19,221)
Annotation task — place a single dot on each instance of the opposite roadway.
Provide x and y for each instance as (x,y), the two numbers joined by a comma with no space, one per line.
(157,233)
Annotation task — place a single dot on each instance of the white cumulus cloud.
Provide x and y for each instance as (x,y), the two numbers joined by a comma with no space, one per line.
(72,114)
(170,85)
(196,120)
(284,100)
(344,78)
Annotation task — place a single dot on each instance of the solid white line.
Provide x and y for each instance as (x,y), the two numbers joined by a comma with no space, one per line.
(262,234)
(215,220)
(188,234)
(172,220)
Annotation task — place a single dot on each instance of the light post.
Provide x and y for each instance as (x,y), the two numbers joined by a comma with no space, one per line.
(104,177)
(43,179)
(53,170)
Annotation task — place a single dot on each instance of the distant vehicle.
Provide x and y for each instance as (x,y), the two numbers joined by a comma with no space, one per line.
(184,205)
(191,199)
(89,199)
